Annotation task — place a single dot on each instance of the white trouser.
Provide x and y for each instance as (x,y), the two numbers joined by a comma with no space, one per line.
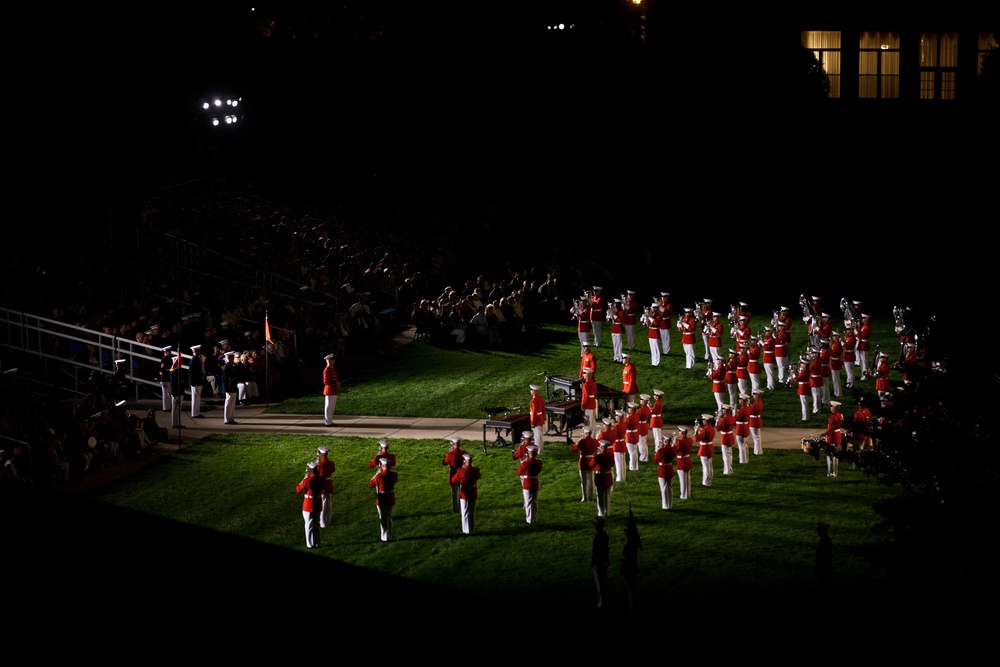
(758,447)
(586,485)
(620,466)
(654,351)
(665,341)
(537,432)
(329,408)
(530,505)
(744,449)
(727,459)
(684,477)
(769,372)
(707,472)
(468,508)
(597,331)
(165,387)
(616,343)
(633,455)
(666,492)
(688,355)
(195,401)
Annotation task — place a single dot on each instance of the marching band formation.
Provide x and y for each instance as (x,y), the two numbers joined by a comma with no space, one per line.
(611,447)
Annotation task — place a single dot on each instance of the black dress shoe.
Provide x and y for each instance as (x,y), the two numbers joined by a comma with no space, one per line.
(231,423)
(180,426)
(199,417)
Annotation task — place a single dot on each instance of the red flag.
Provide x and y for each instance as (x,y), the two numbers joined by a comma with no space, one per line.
(267,330)
(177,362)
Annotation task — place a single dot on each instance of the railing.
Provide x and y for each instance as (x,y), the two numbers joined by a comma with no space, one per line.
(80,351)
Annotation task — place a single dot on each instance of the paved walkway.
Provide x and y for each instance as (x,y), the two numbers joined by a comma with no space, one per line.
(255,419)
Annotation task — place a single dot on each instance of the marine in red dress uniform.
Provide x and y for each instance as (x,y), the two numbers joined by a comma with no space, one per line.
(325,469)
(536,414)
(588,398)
(664,457)
(687,325)
(384,483)
(726,427)
(630,382)
(586,447)
(666,322)
(604,476)
(704,436)
(454,460)
(528,472)
(682,446)
(834,438)
(656,416)
(467,480)
(757,421)
(598,313)
(311,488)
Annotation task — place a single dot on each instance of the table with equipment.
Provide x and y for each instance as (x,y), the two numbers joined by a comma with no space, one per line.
(562,386)
(562,417)
(504,424)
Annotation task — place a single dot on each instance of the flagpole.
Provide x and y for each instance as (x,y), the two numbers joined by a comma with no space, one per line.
(179,363)
(267,377)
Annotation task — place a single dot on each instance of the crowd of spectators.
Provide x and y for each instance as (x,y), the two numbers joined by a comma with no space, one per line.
(206,264)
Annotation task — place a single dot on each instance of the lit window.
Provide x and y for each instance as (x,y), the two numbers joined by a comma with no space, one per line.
(825,45)
(878,65)
(987,42)
(938,64)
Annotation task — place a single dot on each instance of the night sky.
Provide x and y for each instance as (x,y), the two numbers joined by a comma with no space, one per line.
(677,149)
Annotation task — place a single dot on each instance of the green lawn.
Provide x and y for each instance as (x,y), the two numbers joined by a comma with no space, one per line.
(752,534)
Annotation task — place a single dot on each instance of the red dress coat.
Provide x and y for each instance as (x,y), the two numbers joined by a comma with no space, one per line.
(802,381)
(587,448)
(656,414)
(645,413)
(632,428)
(687,326)
(325,468)
(836,356)
(682,447)
(726,428)
(384,483)
(664,459)
(528,472)
(330,381)
(621,428)
(834,423)
(630,383)
(310,487)
(588,394)
(850,348)
(756,414)
(768,350)
(604,463)
(536,410)
(467,479)
(583,319)
(742,418)
(705,436)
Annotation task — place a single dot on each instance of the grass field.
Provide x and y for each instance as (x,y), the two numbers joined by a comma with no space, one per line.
(421,380)
(752,535)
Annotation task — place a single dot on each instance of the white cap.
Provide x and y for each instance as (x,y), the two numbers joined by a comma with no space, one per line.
(323,450)
(329,356)
(534,387)
(467,457)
